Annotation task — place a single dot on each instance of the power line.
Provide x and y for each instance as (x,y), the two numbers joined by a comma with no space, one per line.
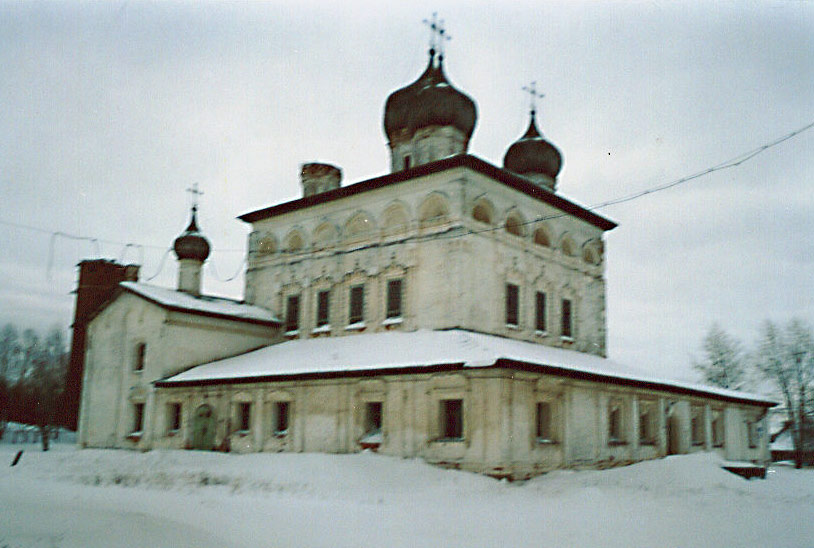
(727,164)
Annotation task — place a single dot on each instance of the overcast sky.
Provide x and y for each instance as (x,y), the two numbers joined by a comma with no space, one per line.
(109,111)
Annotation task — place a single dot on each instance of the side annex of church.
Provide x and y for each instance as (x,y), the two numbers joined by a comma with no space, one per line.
(451,310)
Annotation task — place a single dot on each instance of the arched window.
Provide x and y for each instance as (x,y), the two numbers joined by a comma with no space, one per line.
(294,242)
(483,212)
(567,246)
(359,226)
(542,237)
(515,224)
(395,219)
(433,210)
(266,245)
(324,236)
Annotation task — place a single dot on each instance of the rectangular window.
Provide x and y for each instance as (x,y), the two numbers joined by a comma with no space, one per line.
(566,319)
(244,415)
(452,419)
(544,422)
(323,308)
(407,161)
(292,313)
(394,299)
(281,411)
(138,417)
(512,304)
(141,353)
(373,417)
(539,316)
(174,417)
(357,304)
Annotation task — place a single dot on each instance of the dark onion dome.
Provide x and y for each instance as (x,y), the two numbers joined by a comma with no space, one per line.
(531,154)
(192,244)
(430,100)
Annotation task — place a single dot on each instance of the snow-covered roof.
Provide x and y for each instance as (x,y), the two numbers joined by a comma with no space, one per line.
(425,350)
(220,307)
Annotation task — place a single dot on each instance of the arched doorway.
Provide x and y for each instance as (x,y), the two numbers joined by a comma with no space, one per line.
(203,428)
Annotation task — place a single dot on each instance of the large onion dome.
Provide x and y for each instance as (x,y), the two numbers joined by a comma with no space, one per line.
(430,100)
(533,157)
(192,244)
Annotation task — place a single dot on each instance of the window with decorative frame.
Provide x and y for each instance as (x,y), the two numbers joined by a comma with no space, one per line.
(452,419)
(173,417)
(647,423)
(138,418)
(140,357)
(616,422)
(512,305)
(395,289)
(292,314)
(697,425)
(281,417)
(323,308)
(717,428)
(356,306)
(540,323)
(566,320)
(544,422)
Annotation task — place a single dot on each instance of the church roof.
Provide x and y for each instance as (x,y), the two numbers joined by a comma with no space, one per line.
(426,351)
(461,160)
(204,305)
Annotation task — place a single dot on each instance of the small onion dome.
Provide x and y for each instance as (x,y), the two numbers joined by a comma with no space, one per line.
(192,244)
(532,155)
(429,101)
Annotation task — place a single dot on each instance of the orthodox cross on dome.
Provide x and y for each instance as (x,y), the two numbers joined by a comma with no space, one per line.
(531,89)
(438,35)
(194,192)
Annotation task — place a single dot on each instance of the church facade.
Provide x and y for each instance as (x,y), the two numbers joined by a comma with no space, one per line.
(451,310)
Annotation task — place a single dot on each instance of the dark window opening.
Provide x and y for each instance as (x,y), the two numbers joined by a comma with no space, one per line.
(696,430)
(281,417)
(566,318)
(138,417)
(407,161)
(175,417)
(615,425)
(512,304)
(373,417)
(544,421)
(717,431)
(141,353)
(323,308)
(292,313)
(540,323)
(751,430)
(452,419)
(357,304)
(394,299)
(244,412)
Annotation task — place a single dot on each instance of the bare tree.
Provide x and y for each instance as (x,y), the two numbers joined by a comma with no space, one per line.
(46,382)
(724,362)
(786,358)
(9,356)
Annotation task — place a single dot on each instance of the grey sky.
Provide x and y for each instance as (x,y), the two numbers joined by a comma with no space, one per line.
(108,111)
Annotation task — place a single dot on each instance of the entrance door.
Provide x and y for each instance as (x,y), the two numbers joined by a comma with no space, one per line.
(203,428)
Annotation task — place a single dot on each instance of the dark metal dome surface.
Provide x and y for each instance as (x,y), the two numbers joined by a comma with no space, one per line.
(192,244)
(533,154)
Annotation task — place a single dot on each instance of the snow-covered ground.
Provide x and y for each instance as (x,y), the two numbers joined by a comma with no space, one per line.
(87,498)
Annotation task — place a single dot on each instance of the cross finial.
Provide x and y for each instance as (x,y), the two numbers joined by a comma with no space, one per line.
(193,190)
(531,89)
(438,35)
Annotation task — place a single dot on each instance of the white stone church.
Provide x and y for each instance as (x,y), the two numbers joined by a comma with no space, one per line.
(451,310)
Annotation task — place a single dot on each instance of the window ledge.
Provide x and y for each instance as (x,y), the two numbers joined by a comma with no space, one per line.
(513,326)
(450,440)
(393,321)
(172,433)
(718,445)
(647,443)
(616,443)
(565,338)
(358,326)
(242,433)
(546,441)
(322,329)
(135,436)
(138,371)
(292,333)
(281,434)
(697,443)
(539,333)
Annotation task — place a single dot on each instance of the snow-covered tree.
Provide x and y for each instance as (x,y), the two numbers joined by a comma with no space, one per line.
(723,363)
(786,358)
